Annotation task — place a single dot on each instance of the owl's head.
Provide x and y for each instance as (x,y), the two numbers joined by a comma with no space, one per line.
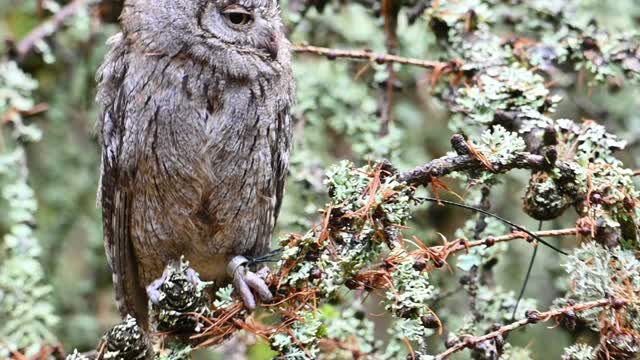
(243,38)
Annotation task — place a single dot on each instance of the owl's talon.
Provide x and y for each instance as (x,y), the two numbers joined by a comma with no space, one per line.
(153,289)
(245,280)
(193,277)
(263,273)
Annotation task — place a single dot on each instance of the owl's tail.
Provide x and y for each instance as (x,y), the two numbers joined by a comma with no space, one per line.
(131,298)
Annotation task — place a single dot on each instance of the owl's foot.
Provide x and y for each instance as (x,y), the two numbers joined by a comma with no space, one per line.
(153,289)
(245,280)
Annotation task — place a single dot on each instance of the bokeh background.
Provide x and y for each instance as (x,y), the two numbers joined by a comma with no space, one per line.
(337,117)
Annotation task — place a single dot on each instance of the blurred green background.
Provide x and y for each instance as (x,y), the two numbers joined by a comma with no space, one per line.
(336,118)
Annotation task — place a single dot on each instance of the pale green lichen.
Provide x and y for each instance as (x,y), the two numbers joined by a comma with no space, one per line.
(411,291)
(500,146)
(224,297)
(603,54)
(302,344)
(367,206)
(579,352)
(596,273)
(29,318)
(402,330)
(589,141)
(363,224)
(504,88)
(16,88)
(408,300)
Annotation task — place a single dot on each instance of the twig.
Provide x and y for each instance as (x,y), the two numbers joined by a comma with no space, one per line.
(497,217)
(47,28)
(477,273)
(462,244)
(390,9)
(415,12)
(532,318)
(369,55)
(527,276)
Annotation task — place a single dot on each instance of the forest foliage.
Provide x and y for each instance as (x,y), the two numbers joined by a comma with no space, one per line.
(523,109)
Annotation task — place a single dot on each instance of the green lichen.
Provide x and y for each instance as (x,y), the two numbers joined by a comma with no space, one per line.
(348,326)
(361,224)
(603,54)
(596,273)
(224,297)
(28,317)
(302,343)
(504,88)
(579,352)
(16,88)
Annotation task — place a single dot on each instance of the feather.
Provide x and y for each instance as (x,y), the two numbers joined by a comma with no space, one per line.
(114,196)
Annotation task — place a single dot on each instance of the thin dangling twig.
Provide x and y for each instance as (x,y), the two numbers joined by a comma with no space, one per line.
(526,278)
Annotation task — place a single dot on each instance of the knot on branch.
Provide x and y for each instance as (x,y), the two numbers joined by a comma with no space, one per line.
(533,316)
(459,145)
(545,199)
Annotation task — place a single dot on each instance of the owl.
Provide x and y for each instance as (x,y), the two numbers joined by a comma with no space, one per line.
(194,99)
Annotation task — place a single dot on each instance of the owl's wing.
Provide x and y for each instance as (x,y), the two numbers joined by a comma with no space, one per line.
(280,144)
(114,194)
(280,157)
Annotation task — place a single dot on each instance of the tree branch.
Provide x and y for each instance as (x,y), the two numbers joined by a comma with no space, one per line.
(462,244)
(533,316)
(423,175)
(371,56)
(48,28)
(390,11)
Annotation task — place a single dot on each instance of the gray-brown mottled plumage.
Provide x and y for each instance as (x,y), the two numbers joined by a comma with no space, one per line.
(195,98)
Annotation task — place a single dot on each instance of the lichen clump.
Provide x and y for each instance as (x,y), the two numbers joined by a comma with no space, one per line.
(361,225)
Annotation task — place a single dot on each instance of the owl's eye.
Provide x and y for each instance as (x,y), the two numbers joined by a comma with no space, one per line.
(237,15)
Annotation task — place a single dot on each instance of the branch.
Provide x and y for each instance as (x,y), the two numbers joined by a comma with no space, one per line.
(439,254)
(462,244)
(417,10)
(371,56)
(390,10)
(48,28)
(533,316)
(186,317)
(423,175)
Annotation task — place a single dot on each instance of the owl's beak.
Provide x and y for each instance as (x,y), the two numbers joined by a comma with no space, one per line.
(271,46)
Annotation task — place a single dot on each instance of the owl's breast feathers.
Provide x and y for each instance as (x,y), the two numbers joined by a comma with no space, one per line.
(193,163)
